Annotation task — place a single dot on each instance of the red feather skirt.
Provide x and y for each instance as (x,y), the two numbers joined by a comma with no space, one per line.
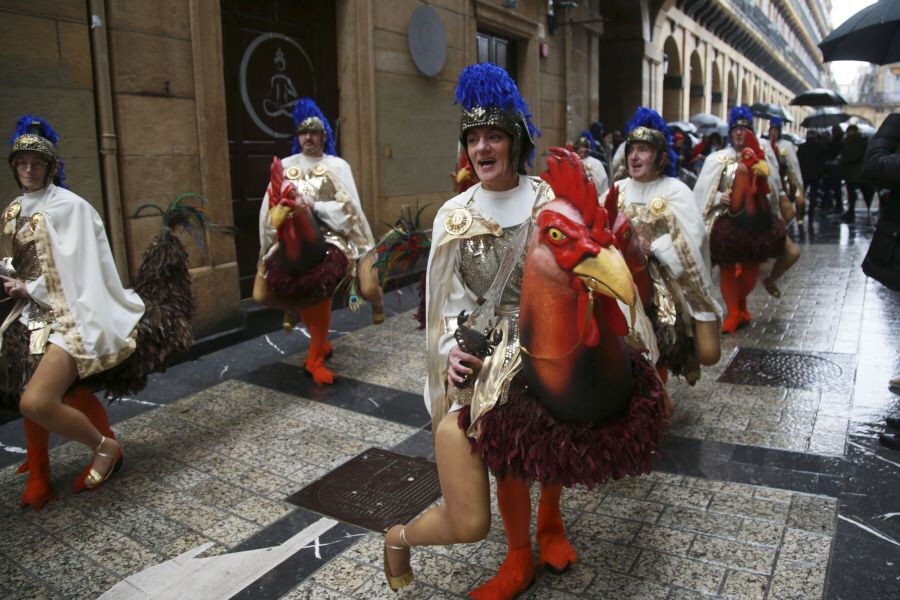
(521,439)
(732,241)
(308,287)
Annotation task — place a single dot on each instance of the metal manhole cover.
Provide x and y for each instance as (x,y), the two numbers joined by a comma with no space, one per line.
(805,370)
(374,490)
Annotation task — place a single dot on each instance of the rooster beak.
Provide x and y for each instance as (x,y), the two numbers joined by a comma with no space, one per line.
(607,274)
(280,212)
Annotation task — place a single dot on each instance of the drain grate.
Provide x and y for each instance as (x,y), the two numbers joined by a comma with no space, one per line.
(374,490)
(804,370)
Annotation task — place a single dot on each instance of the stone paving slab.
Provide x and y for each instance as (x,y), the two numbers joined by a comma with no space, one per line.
(213,467)
(660,536)
(820,310)
(216,466)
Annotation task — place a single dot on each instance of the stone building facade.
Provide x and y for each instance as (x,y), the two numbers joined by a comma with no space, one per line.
(155,99)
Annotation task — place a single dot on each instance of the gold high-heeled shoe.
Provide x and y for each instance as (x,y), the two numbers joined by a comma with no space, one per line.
(395,582)
(94,478)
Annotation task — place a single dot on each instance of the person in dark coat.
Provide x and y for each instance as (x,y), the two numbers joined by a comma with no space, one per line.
(853,152)
(812,155)
(881,169)
(599,150)
(833,175)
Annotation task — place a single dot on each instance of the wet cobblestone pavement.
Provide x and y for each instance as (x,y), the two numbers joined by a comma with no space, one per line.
(768,488)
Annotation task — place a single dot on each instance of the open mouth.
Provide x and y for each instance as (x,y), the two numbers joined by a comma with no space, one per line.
(487,163)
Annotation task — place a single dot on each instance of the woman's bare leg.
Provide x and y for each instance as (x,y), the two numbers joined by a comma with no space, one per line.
(41,402)
(465,515)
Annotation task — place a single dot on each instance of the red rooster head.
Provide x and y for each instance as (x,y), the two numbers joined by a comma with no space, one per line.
(576,232)
(571,325)
(749,192)
(282,194)
(299,238)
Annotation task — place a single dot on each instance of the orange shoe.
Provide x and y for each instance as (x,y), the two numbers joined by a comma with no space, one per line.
(515,575)
(315,366)
(732,321)
(555,552)
(38,491)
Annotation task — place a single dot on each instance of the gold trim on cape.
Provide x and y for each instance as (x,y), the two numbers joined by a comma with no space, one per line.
(85,363)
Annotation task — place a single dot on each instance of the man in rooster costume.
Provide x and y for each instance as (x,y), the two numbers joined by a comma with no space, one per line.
(663,215)
(73,325)
(324,184)
(529,305)
(584,145)
(734,194)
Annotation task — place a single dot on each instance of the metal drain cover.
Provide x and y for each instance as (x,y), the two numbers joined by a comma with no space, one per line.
(374,490)
(784,368)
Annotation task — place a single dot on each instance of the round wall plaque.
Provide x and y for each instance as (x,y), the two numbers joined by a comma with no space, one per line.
(427,40)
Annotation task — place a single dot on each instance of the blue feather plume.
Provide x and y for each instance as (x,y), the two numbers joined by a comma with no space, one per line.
(305,108)
(776,122)
(590,138)
(647,117)
(26,124)
(486,84)
(739,113)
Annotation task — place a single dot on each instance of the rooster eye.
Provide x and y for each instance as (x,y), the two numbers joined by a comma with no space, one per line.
(556,235)
(626,236)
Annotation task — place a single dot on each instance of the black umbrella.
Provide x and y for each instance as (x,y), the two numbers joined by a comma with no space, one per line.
(767,110)
(818,97)
(825,117)
(871,35)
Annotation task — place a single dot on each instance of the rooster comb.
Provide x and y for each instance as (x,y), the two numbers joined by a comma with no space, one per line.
(34,134)
(650,119)
(565,174)
(309,117)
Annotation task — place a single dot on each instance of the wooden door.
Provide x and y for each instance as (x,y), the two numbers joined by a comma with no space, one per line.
(274,52)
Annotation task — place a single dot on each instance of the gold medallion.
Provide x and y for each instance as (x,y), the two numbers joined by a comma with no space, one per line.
(458,221)
(659,205)
(292,173)
(319,169)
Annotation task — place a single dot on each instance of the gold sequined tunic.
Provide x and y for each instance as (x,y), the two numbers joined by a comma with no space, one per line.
(28,268)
